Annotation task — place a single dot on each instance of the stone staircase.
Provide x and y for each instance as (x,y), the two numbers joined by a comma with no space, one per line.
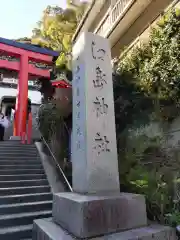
(25,194)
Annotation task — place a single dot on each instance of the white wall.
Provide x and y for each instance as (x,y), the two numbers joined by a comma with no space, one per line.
(34,96)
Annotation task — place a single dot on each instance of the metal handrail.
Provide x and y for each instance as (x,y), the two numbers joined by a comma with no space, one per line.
(57,164)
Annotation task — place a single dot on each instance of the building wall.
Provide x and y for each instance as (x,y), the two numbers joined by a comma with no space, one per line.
(140,25)
(100,16)
(137,19)
(137,33)
(34,96)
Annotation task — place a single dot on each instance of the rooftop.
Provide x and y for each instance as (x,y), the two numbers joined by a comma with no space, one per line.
(29,47)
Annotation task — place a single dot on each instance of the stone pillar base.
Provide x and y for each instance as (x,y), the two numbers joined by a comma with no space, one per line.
(121,216)
(86,216)
(47,229)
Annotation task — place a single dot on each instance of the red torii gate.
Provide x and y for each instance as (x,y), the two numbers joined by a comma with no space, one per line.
(29,61)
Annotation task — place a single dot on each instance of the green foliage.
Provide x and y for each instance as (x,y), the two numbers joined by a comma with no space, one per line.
(146,88)
(53,128)
(131,104)
(146,168)
(49,119)
(154,67)
(173,219)
(56,29)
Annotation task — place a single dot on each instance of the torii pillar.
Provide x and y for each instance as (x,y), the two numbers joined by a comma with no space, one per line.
(22,98)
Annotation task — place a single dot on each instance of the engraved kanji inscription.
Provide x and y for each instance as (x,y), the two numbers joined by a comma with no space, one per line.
(78,130)
(100,106)
(77,92)
(78,145)
(78,104)
(100,78)
(78,115)
(77,69)
(97,53)
(101,143)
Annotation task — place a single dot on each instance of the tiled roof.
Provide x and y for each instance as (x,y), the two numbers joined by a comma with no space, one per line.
(29,47)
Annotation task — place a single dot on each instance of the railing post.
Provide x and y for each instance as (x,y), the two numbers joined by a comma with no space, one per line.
(22,97)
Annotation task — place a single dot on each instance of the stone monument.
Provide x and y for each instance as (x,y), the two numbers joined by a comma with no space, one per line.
(96,208)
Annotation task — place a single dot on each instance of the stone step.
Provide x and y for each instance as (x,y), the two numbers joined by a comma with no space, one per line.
(16,177)
(30,147)
(18,157)
(16,232)
(10,220)
(25,207)
(47,229)
(25,198)
(25,194)
(23,183)
(19,162)
(19,150)
(21,166)
(24,190)
(21,171)
(15,142)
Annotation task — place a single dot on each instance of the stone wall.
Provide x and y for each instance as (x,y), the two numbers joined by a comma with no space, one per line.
(170,134)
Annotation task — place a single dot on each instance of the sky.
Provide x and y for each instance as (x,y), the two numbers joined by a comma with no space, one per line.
(19,17)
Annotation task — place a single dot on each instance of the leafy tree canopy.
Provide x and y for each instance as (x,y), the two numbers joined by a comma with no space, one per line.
(56,28)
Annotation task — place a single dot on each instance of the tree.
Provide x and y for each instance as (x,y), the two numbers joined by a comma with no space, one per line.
(56,29)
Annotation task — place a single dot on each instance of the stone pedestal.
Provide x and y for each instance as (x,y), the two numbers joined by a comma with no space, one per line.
(90,216)
(118,216)
(46,229)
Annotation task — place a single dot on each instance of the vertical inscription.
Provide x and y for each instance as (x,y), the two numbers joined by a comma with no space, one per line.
(78,104)
(94,158)
(101,142)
